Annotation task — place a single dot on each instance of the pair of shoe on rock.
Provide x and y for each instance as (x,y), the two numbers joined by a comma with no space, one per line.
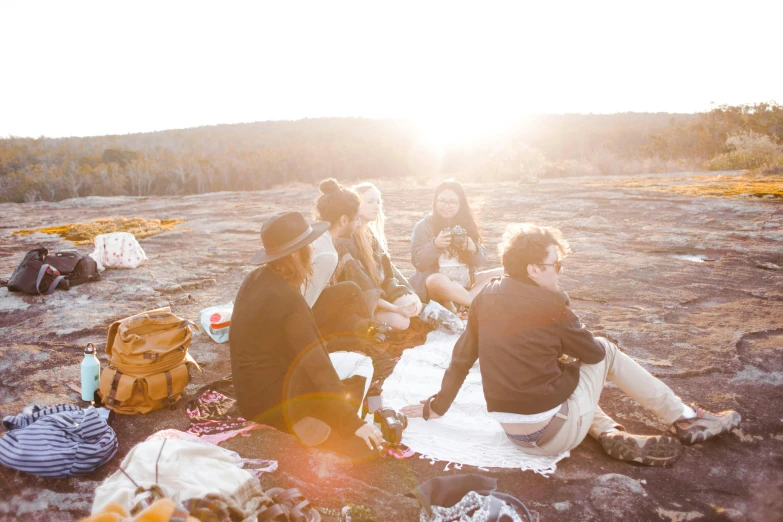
(696,425)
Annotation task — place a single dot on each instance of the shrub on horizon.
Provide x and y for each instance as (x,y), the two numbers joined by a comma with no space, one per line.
(749,150)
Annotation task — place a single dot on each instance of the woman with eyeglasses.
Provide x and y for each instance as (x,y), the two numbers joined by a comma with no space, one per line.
(446,250)
(364,259)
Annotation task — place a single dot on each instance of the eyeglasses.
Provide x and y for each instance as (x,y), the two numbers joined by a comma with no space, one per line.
(451,203)
(557,264)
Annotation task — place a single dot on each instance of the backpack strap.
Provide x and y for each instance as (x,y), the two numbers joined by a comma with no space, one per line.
(170,399)
(54,284)
(41,273)
(188,322)
(113,392)
(115,326)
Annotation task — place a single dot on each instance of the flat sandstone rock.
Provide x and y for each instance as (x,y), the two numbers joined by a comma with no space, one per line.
(690,286)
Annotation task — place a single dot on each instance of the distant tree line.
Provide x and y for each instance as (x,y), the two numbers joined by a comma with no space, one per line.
(255,156)
(705,135)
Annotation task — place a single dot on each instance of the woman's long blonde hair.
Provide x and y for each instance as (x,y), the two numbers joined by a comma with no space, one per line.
(367,231)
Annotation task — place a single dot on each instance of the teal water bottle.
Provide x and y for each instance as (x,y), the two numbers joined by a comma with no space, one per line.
(91,373)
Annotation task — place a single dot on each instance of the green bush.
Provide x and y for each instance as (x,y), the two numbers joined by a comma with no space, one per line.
(748,150)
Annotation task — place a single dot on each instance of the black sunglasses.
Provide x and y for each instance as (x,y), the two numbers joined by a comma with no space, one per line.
(558,266)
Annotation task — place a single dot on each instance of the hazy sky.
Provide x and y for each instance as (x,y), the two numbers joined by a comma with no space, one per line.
(107,67)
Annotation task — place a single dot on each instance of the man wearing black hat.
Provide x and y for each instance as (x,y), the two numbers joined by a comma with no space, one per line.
(282,372)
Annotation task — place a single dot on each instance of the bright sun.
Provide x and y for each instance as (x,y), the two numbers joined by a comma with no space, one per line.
(458,128)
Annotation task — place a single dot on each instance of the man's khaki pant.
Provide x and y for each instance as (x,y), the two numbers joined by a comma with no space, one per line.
(584,414)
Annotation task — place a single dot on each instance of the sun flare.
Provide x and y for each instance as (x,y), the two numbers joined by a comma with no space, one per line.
(459,129)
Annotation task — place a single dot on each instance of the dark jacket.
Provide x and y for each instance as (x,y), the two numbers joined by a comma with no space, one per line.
(277,353)
(425,255)
(518,331)
(351,267)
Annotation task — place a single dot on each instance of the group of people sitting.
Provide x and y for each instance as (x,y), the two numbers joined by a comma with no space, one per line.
(300,320)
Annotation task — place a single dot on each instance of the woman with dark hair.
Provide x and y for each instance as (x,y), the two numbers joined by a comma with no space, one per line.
(339,307)
(283,375)
(446,250)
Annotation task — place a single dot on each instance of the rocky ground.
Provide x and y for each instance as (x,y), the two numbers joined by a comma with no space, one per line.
(692,287)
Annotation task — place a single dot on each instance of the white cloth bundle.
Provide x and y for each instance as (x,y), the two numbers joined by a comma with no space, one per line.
(184,470)
(117,250)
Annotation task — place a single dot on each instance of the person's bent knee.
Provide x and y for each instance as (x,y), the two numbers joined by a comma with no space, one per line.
(437,282)
(402,323)
(348,289)
(432,279)
(606,343)
(355,291)
(399,322)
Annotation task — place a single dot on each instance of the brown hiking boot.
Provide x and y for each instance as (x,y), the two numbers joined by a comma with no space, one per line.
(705,424)
(648,450)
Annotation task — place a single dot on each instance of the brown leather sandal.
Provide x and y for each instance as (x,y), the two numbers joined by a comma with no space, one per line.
(294,504)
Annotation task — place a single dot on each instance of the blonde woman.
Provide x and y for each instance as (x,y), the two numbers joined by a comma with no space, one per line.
(364,259)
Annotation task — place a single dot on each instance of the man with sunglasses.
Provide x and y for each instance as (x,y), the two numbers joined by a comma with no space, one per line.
(522,329)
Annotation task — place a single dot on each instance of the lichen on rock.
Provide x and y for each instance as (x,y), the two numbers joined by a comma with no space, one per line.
(84,233)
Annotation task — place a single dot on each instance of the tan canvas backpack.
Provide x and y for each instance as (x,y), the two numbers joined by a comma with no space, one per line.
(148,362)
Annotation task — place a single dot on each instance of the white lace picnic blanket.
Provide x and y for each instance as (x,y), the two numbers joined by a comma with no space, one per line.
(466,434)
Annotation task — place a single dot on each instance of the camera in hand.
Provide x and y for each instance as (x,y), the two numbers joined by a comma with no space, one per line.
(459,237)
(392,424)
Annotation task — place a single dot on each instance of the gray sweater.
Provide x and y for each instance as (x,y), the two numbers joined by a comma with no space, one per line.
(425,255)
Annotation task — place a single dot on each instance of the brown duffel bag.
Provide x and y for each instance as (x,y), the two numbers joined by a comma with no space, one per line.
(148,362)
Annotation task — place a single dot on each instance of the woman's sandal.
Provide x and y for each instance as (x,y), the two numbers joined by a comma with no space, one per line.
(294,506)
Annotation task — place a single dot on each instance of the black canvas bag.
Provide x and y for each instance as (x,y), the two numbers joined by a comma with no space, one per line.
(34,276)
(77,268)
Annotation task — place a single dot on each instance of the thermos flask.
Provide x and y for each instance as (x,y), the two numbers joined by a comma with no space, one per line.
(91,372)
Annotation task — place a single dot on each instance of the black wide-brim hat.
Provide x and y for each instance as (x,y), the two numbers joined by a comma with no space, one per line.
(285,234)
